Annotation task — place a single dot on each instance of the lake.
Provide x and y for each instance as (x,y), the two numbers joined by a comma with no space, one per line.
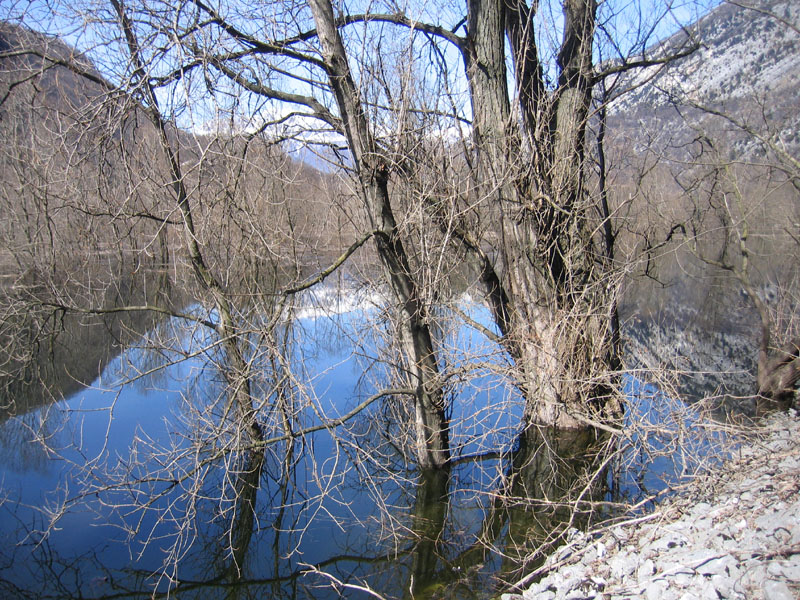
(132,484)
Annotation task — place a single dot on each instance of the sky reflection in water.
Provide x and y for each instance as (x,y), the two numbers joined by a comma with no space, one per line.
(96,426)
(330,518)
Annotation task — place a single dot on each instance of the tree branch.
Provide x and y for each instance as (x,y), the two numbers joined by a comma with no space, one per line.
(281,48)
(333,423)
(403,21)
(643,63)
(322,275)
(319,110)
(125,309)
(59,62)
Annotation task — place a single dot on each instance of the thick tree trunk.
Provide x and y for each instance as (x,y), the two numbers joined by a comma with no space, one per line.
(549,301)
(484,61)
(432,434)
(778,368)
(429,517)
(778,374)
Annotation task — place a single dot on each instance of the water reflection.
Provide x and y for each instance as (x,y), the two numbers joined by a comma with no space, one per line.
(167,494)
(555,479)
(428,525)
(152,455)
(549,484)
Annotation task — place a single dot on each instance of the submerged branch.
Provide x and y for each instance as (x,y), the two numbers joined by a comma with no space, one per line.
(343,419)
(140,308)
(338,584)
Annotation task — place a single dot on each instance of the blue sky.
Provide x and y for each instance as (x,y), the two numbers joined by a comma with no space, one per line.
(624,26)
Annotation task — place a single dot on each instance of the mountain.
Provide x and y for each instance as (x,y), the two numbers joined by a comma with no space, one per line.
(739,87)
(744,53)
(716,147)
(57,87)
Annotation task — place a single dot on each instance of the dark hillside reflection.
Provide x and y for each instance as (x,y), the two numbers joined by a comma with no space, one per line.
(54,353)
(694,325)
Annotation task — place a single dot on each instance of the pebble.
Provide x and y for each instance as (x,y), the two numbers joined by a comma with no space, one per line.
(777,590)
(791,571)
(656,590)
(645,570)
(623,564)
(724,586)
(739,541)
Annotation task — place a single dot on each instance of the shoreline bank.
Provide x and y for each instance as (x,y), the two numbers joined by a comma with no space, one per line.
(733,533)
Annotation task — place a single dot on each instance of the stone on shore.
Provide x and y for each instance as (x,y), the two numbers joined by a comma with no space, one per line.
(735,534)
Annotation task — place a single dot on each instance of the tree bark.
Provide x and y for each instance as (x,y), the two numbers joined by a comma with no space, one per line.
(778,373)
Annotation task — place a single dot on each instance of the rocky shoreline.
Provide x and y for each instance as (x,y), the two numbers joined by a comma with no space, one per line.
(733,533)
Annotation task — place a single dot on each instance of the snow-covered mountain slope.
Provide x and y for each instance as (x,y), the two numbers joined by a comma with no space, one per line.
(748,53)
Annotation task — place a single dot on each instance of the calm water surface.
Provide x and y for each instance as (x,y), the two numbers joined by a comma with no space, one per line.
(327,516)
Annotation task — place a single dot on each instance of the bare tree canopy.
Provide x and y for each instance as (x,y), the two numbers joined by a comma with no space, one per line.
(321,299)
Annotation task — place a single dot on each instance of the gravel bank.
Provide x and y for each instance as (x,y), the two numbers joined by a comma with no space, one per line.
(734,534)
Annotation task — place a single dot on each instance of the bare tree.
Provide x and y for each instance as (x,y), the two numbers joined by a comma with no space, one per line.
(182,147)
(733,246)
(727,175)
(545,262)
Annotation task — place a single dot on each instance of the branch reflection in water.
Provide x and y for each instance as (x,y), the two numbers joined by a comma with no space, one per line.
(183,501)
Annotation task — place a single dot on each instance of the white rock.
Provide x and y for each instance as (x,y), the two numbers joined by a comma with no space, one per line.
(659,590)
(723,586)
(645,570)
(776,590)
(538,594)
(791,570)
(683,580)
(601,549)
(623,564)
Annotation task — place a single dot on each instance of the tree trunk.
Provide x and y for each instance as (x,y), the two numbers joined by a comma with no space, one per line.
(778,374)
(432,443)
(240,400)
(554,316)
